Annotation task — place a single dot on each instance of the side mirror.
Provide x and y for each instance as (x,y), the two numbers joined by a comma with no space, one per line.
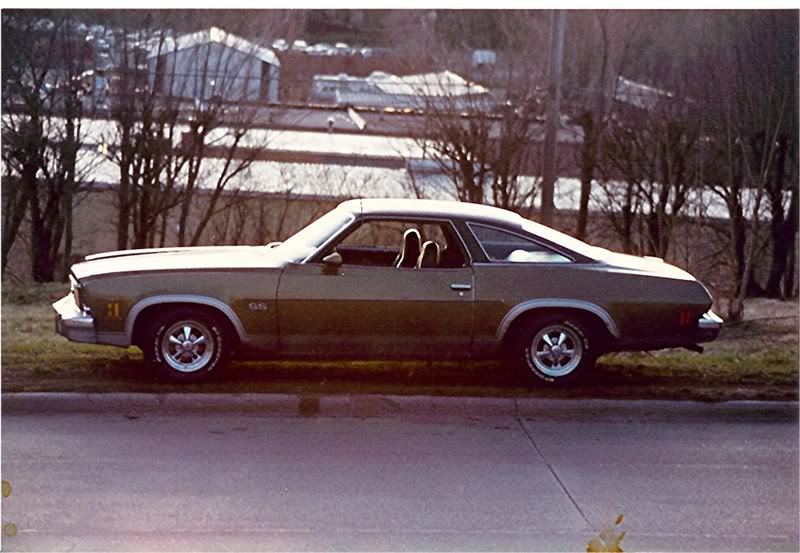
(333,260)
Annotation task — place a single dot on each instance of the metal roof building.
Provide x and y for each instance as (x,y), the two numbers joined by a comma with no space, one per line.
(445,91)
(213,64)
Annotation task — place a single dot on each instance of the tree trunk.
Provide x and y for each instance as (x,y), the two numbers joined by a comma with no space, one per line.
(40,245)
(588,162)
(15,206)
(791,263)
(183,219)
(789,288)
(198,152)
(739,234)
(163,231)
(68,234)
(123,193)
(42,267)
(779,232)
(627,220)
(70,153)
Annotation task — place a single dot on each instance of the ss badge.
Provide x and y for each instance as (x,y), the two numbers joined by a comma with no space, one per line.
(257,306)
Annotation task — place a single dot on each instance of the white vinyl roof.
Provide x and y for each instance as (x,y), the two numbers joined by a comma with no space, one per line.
(214,34)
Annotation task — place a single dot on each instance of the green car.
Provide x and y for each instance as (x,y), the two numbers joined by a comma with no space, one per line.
(389,279)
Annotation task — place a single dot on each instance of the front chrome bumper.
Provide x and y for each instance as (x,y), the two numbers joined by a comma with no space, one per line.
(74,323)
(708,327)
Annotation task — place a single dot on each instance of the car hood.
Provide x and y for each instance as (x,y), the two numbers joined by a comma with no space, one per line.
(175,259)
(651,265)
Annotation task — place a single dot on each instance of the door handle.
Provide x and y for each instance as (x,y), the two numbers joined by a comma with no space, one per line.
(461,286)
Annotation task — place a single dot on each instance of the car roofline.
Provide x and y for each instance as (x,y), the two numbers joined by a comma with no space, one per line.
(437,208)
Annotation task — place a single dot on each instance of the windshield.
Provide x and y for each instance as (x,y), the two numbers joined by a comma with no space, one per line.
(306,242)
(562,239)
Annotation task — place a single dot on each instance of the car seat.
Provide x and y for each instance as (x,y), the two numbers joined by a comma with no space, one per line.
(409,254)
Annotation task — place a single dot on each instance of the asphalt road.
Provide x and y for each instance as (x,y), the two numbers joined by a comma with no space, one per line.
(706,477)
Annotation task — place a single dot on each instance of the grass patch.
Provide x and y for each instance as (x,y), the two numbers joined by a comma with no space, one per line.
(754,360)
(33,294)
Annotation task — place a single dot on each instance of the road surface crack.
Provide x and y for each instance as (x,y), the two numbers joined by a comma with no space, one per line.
(553,471)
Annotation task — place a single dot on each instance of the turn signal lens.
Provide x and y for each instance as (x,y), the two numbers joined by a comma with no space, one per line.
(76,290)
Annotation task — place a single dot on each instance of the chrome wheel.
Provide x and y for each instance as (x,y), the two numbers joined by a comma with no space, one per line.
(556,350)
(187,346)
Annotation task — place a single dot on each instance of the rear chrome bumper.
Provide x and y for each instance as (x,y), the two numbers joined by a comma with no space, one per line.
(74,323)
(708,327)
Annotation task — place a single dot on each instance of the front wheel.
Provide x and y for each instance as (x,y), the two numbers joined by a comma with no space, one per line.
(556,350)
(187,344)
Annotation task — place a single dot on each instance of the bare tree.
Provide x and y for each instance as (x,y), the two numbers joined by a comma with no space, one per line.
(484,140)
(654,151)
(230,159)
(600,47)
(15,207)
(257,216)
(781,189)
(750,98)
(621,205)
(183,126)
(142,143)
(42,136)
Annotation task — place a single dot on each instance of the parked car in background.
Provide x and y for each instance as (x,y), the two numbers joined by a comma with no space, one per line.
(388,279)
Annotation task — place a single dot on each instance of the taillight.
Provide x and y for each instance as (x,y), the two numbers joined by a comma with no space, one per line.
(685,318)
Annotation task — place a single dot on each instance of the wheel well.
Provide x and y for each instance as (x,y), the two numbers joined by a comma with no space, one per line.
(147,314)
(595,325)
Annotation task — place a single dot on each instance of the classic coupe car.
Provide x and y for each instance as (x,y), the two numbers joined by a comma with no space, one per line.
(385,279)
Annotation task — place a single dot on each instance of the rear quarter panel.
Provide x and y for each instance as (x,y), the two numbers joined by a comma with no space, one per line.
(641,305)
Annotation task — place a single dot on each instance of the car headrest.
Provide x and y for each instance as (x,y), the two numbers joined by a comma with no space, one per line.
(429,258)
(410,250)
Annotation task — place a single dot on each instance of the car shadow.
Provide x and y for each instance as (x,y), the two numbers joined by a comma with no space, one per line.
(439,378)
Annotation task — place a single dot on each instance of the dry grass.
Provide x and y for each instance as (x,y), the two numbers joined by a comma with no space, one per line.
(757,359)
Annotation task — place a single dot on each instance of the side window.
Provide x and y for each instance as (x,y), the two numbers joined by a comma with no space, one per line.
(380,243)
(500,245)
(384,235)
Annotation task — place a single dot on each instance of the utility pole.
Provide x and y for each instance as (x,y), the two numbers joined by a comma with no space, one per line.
(553,116)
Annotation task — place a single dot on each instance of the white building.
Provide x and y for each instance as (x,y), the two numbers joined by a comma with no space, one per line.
(444,90)
(640,95)
(213,64)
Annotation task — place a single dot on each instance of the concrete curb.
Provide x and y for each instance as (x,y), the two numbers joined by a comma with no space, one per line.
(376,406)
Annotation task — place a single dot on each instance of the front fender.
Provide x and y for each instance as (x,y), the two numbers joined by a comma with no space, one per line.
(221,306)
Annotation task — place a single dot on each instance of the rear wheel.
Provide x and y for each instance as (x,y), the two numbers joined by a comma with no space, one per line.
(187,344)
(555,349)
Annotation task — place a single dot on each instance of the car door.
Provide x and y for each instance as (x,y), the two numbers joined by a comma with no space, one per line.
(365,310)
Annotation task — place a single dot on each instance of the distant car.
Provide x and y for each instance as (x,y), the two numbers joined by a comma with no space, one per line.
(102,45)
(104,61)
(343,48)
(320,49)
(43,25)
(387,279)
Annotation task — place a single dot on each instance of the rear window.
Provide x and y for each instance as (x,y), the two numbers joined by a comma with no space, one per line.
(508,247)
(570,243)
